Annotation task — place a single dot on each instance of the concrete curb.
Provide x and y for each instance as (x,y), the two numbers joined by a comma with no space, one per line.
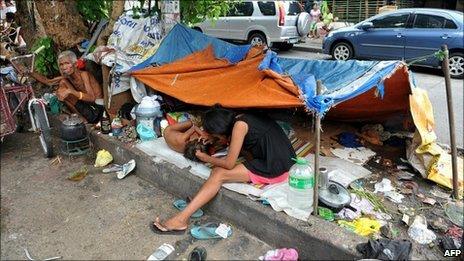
(316,239)
(307,49)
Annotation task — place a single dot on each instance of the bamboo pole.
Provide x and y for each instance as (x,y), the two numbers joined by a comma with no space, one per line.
(316,154)
(449,99)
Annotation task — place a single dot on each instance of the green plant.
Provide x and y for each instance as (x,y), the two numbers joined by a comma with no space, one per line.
(94,10)
(45,60)
(193,12)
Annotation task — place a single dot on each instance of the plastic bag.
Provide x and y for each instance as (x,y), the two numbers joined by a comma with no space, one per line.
(103,158)
(362,226)
(419,232)
(146,133)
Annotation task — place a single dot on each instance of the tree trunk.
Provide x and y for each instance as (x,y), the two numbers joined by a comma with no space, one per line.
(59,20)
(116,12)
(31,26)
(62,22)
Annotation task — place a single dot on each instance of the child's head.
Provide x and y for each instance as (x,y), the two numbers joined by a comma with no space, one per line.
(191,148)
(315,6)
(219,121)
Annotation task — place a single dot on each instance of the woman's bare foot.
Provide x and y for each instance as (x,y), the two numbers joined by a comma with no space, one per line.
(171,224)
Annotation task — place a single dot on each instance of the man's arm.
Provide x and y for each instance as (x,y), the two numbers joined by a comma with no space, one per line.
(45,80)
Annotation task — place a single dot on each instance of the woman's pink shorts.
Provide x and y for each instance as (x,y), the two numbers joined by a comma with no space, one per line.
(256,179)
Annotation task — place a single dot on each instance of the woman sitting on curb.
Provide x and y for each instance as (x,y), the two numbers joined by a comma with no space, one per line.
(262,137)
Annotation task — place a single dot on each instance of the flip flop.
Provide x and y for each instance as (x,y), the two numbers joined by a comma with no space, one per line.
(112,168)
(181,204)
(207,231)
(126,169)
(156,230)
(197,254)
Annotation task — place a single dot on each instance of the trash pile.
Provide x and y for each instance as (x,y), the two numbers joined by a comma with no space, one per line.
(394,207)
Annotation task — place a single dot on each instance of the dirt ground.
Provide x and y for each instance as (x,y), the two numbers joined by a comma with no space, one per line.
(99,217)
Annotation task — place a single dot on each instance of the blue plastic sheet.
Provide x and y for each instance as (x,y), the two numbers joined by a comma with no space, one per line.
(342,80)
(182,41)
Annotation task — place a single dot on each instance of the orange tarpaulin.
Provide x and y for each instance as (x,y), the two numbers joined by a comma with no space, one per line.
(195,80)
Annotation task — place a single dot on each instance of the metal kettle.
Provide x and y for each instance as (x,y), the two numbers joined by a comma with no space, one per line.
(73,128)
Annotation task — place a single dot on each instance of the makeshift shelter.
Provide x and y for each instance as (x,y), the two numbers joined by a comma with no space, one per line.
(202,70)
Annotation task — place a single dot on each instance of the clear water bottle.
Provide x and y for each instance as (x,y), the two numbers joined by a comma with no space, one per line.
(162,252)
(301,185)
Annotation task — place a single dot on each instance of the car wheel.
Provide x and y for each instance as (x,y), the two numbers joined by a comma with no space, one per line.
(342,51)
(456,65)
(257,39)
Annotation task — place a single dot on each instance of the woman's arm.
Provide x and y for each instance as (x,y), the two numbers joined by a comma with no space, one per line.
(228,162)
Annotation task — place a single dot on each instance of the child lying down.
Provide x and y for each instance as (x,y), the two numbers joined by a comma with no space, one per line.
(186,138)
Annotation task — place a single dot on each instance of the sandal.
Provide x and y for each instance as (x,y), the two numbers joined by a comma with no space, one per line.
(207,231)
(181,204)
(156,230)
(197,254)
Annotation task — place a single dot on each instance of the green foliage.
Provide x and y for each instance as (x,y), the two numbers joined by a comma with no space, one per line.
(440,55)
(46,60)
(138,11)
(193,12)
(94,10)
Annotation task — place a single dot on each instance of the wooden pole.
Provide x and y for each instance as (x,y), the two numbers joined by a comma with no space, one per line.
(449,99)
(316,155)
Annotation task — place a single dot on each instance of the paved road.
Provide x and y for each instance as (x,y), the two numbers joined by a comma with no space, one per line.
(432,81)
(99,217)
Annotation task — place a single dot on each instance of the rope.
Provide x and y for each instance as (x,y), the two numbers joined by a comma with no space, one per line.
(440,55)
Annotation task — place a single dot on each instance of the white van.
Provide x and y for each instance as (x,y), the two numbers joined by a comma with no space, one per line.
(274,23)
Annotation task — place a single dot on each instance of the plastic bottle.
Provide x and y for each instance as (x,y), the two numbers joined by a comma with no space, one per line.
(301,185)
(116,126)
(162,252)
(105,123)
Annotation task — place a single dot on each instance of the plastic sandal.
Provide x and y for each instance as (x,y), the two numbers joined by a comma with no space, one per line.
(156,230)
(198,254)
(126,169)
(181,204)
(207,231)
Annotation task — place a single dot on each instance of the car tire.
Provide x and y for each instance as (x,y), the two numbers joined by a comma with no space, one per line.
(342,51)
(302,24)
(257,39)
(283,46)
(456,65)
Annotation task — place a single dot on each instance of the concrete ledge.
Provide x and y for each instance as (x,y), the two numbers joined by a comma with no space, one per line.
(316,239)
(306,48)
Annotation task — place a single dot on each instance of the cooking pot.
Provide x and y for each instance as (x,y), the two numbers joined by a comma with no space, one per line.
(73,129)
(334,196)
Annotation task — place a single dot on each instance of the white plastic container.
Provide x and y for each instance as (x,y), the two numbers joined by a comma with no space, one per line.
(148,111)
(301,185)
(162,252)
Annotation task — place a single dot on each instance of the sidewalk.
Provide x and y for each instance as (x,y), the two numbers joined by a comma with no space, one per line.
(315,239)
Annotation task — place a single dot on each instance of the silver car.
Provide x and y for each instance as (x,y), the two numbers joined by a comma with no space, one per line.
(274,23)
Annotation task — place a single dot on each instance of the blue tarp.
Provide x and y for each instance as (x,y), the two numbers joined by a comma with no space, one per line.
(182,41)
(342,80)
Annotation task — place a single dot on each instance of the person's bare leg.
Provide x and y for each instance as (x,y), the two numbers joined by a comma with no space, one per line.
(209,189)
